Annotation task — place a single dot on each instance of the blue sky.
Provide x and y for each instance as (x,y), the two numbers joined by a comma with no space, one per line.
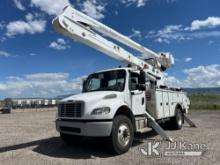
(36,61)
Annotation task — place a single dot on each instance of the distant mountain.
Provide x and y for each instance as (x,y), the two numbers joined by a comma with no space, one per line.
(193,91)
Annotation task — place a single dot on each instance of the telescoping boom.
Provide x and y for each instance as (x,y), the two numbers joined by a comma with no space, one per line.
(83,28)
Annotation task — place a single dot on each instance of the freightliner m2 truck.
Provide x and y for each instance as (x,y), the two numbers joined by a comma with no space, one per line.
(121,102)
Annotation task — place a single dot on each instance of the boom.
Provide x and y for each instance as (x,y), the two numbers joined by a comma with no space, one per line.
(83,28)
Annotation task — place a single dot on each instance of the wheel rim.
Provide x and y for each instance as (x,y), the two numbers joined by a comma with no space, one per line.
(124,134)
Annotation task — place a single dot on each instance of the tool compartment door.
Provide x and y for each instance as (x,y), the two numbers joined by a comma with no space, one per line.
(159,104)
(166,108)
(172,104)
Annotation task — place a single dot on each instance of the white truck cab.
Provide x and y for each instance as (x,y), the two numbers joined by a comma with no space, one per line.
(115,93)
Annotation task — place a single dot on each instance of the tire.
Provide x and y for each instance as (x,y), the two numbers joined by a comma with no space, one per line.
(122,135)
(177,121)
(70,139)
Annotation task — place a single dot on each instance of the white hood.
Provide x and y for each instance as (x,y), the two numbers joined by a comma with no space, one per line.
(90,96)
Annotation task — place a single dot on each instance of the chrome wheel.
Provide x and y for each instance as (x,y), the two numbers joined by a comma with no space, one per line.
(124,134)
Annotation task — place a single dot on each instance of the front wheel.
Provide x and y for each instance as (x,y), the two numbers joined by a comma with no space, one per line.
(122,134)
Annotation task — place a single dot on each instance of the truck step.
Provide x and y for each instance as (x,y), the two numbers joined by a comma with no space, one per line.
(143,130)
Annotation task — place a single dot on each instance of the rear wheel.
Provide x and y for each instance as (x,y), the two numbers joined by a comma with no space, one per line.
(177,121)
(70,139)
(122,134)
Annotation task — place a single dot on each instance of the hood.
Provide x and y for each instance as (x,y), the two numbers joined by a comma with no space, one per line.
(90,96)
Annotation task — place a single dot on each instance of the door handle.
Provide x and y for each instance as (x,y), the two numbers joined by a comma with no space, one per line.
(142,100)
(136,92)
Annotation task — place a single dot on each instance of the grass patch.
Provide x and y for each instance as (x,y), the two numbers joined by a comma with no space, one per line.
(205,101)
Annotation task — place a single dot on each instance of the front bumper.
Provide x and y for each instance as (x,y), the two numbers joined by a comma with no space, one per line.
(85,127)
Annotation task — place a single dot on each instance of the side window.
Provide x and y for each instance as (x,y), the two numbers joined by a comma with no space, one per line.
(133,82)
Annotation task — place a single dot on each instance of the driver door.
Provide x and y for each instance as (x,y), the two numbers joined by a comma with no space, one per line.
(138,100)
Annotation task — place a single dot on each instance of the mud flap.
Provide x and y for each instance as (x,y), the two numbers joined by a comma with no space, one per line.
(157,127)
(190,122)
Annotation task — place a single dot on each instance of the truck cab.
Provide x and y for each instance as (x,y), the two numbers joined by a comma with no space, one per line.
(112,104)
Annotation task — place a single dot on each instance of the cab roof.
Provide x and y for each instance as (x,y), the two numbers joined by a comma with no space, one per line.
(119,68)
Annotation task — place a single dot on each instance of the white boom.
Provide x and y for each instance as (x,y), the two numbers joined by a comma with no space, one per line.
(83,28)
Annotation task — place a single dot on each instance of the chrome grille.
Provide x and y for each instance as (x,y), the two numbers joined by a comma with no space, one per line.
(71,109)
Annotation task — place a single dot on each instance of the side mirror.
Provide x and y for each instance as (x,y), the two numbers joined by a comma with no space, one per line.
(142,78)
(83,84)
(84,81)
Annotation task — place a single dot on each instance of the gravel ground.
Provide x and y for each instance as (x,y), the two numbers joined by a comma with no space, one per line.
(30,138)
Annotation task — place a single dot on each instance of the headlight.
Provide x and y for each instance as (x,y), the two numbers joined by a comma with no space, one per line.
(100,111)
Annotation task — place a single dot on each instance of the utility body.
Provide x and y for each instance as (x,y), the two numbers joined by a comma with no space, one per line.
(121,102)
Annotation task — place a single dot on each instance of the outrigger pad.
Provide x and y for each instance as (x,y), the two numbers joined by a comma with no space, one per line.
(190,122)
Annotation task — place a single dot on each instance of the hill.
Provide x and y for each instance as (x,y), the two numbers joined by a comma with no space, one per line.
(202,91)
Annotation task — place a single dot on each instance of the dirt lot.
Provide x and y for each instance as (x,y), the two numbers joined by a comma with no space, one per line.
(30,138)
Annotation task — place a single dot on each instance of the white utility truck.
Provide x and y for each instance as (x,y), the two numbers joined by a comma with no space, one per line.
(121,102)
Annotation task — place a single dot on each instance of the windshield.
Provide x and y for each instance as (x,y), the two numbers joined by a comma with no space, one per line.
(103,81)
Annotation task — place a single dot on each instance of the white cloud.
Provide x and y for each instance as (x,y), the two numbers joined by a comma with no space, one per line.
(51,7)
(210,22)
(29,17)
(162,40)
(188,59)
(138,3)
(178,33)
(16,78)
(46,76)
(59,44)
(4,54)
(135,34)
(3,39)
(203,76)
(23,27)
(40,85)
(32,54)
(19,5)
(210,42)
(93,8)
(168,33)
(204,34)
(198,77)
(172,81)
